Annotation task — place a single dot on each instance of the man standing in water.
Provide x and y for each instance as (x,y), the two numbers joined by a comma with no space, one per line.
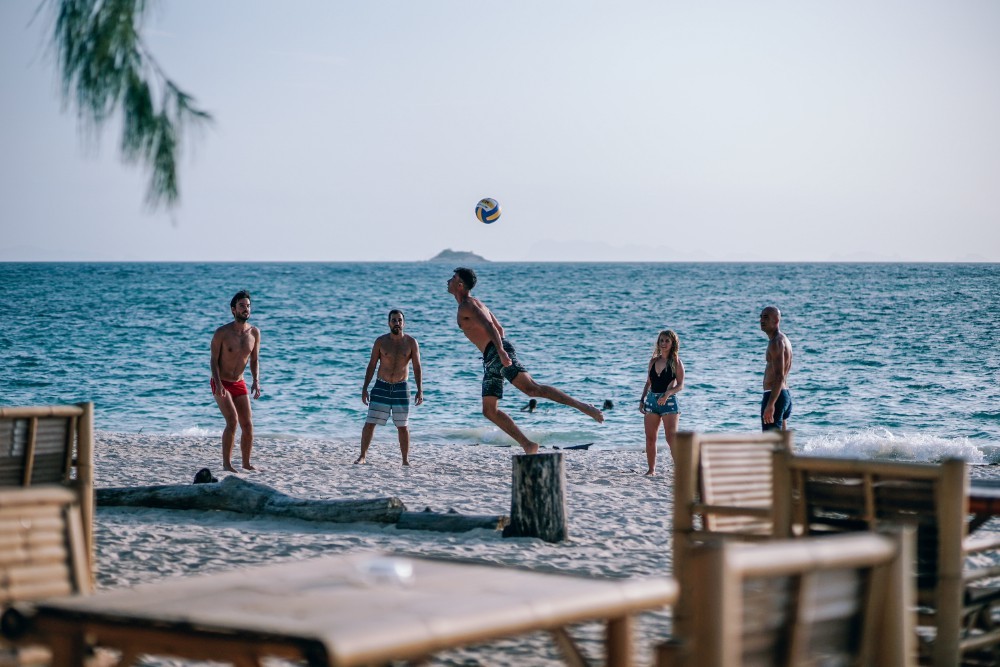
(232,346)
(392,353)
(500,361)
(776,406)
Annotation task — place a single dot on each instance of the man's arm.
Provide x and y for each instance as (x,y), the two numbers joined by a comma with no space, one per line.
(220,390)
(417,373)
(255,364)
(370,370)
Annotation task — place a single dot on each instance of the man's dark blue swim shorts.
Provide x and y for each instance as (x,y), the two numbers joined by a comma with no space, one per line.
(782,410)
(494,371)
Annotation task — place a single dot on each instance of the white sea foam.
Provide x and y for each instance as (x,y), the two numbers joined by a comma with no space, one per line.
(881,443)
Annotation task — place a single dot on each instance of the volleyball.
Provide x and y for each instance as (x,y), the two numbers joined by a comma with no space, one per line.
(488,210)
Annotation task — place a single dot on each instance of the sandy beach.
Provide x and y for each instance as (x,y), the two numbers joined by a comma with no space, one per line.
(619,519)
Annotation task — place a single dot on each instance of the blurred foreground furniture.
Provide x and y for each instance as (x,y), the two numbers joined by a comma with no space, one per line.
(831,496)
(46,511)
(822,601)
(723,488)
(42,555)
(51,445)
(351,609)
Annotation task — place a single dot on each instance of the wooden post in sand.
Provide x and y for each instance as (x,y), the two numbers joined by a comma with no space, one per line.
(538,498)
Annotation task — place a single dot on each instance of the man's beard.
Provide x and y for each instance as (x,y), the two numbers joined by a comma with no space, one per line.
(242,319)
(396,330)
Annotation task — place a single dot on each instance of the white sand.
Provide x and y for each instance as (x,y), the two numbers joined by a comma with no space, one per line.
(619,520)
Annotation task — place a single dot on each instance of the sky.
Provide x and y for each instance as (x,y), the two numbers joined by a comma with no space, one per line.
(608,131)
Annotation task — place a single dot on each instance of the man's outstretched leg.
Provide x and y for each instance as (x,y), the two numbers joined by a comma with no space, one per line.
(366,439)
(492,412)
(527,384)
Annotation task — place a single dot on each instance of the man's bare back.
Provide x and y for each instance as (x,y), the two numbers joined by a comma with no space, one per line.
(779,356)
(473,317)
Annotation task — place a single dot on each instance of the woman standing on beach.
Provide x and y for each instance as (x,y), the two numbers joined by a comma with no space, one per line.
(658,403)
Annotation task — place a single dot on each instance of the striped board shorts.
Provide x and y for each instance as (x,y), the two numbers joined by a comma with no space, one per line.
(386,399)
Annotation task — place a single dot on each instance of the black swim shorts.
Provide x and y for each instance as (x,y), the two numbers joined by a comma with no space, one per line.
(494,371)
(782,410)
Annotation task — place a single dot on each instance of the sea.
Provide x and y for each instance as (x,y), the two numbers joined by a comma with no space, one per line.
(896,361)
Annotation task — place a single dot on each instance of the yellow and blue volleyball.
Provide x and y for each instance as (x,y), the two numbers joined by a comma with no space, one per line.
(488,210)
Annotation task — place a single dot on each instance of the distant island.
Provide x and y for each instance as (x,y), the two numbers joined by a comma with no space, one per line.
(460,256)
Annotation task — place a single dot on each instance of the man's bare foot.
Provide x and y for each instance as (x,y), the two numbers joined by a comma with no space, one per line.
(360,459)
(247,466)
(406,463)
(530,448)
(650,473)
(594,413)
(229,468)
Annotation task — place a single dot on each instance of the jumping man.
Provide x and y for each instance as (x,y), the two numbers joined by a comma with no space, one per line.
(500,361)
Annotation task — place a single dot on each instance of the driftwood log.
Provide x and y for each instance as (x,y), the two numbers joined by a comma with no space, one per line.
(538,498)
(234,494)
(449,522)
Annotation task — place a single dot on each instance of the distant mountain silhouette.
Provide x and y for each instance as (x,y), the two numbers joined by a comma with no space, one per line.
(460,256)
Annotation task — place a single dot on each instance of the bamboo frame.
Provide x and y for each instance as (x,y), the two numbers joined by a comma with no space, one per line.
(945,492)
(689,480)
(719,570)
(79,432)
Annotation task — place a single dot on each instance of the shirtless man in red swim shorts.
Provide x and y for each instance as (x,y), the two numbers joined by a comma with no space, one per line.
(232,346)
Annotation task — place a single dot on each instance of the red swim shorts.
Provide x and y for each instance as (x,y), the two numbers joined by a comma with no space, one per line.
(238,388)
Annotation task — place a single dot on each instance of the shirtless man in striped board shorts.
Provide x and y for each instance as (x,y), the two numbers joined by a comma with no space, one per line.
(392,354)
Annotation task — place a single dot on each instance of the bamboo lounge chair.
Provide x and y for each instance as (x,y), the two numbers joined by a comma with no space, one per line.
(51,445)
(818,601)
(831,496)
(723,488)
(46,510)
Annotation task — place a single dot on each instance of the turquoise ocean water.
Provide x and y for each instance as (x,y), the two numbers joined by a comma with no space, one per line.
(891,360)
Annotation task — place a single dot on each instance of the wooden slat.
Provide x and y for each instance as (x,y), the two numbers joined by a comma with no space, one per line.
(34,573)
(36,553)
(34,496)
(29,452)
(26,412)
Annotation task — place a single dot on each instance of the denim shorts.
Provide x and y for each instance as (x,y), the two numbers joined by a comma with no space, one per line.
(670,407)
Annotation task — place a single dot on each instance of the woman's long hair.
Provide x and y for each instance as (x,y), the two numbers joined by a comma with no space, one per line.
(675,344)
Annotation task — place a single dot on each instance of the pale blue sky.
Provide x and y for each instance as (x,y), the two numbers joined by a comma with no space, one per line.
(608,131)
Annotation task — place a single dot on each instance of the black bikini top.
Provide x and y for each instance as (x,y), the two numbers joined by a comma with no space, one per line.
(660,382)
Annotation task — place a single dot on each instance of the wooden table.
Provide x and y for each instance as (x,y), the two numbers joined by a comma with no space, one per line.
(352,609)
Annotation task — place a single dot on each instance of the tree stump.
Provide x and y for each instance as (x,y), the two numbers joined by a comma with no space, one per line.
(538,498)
